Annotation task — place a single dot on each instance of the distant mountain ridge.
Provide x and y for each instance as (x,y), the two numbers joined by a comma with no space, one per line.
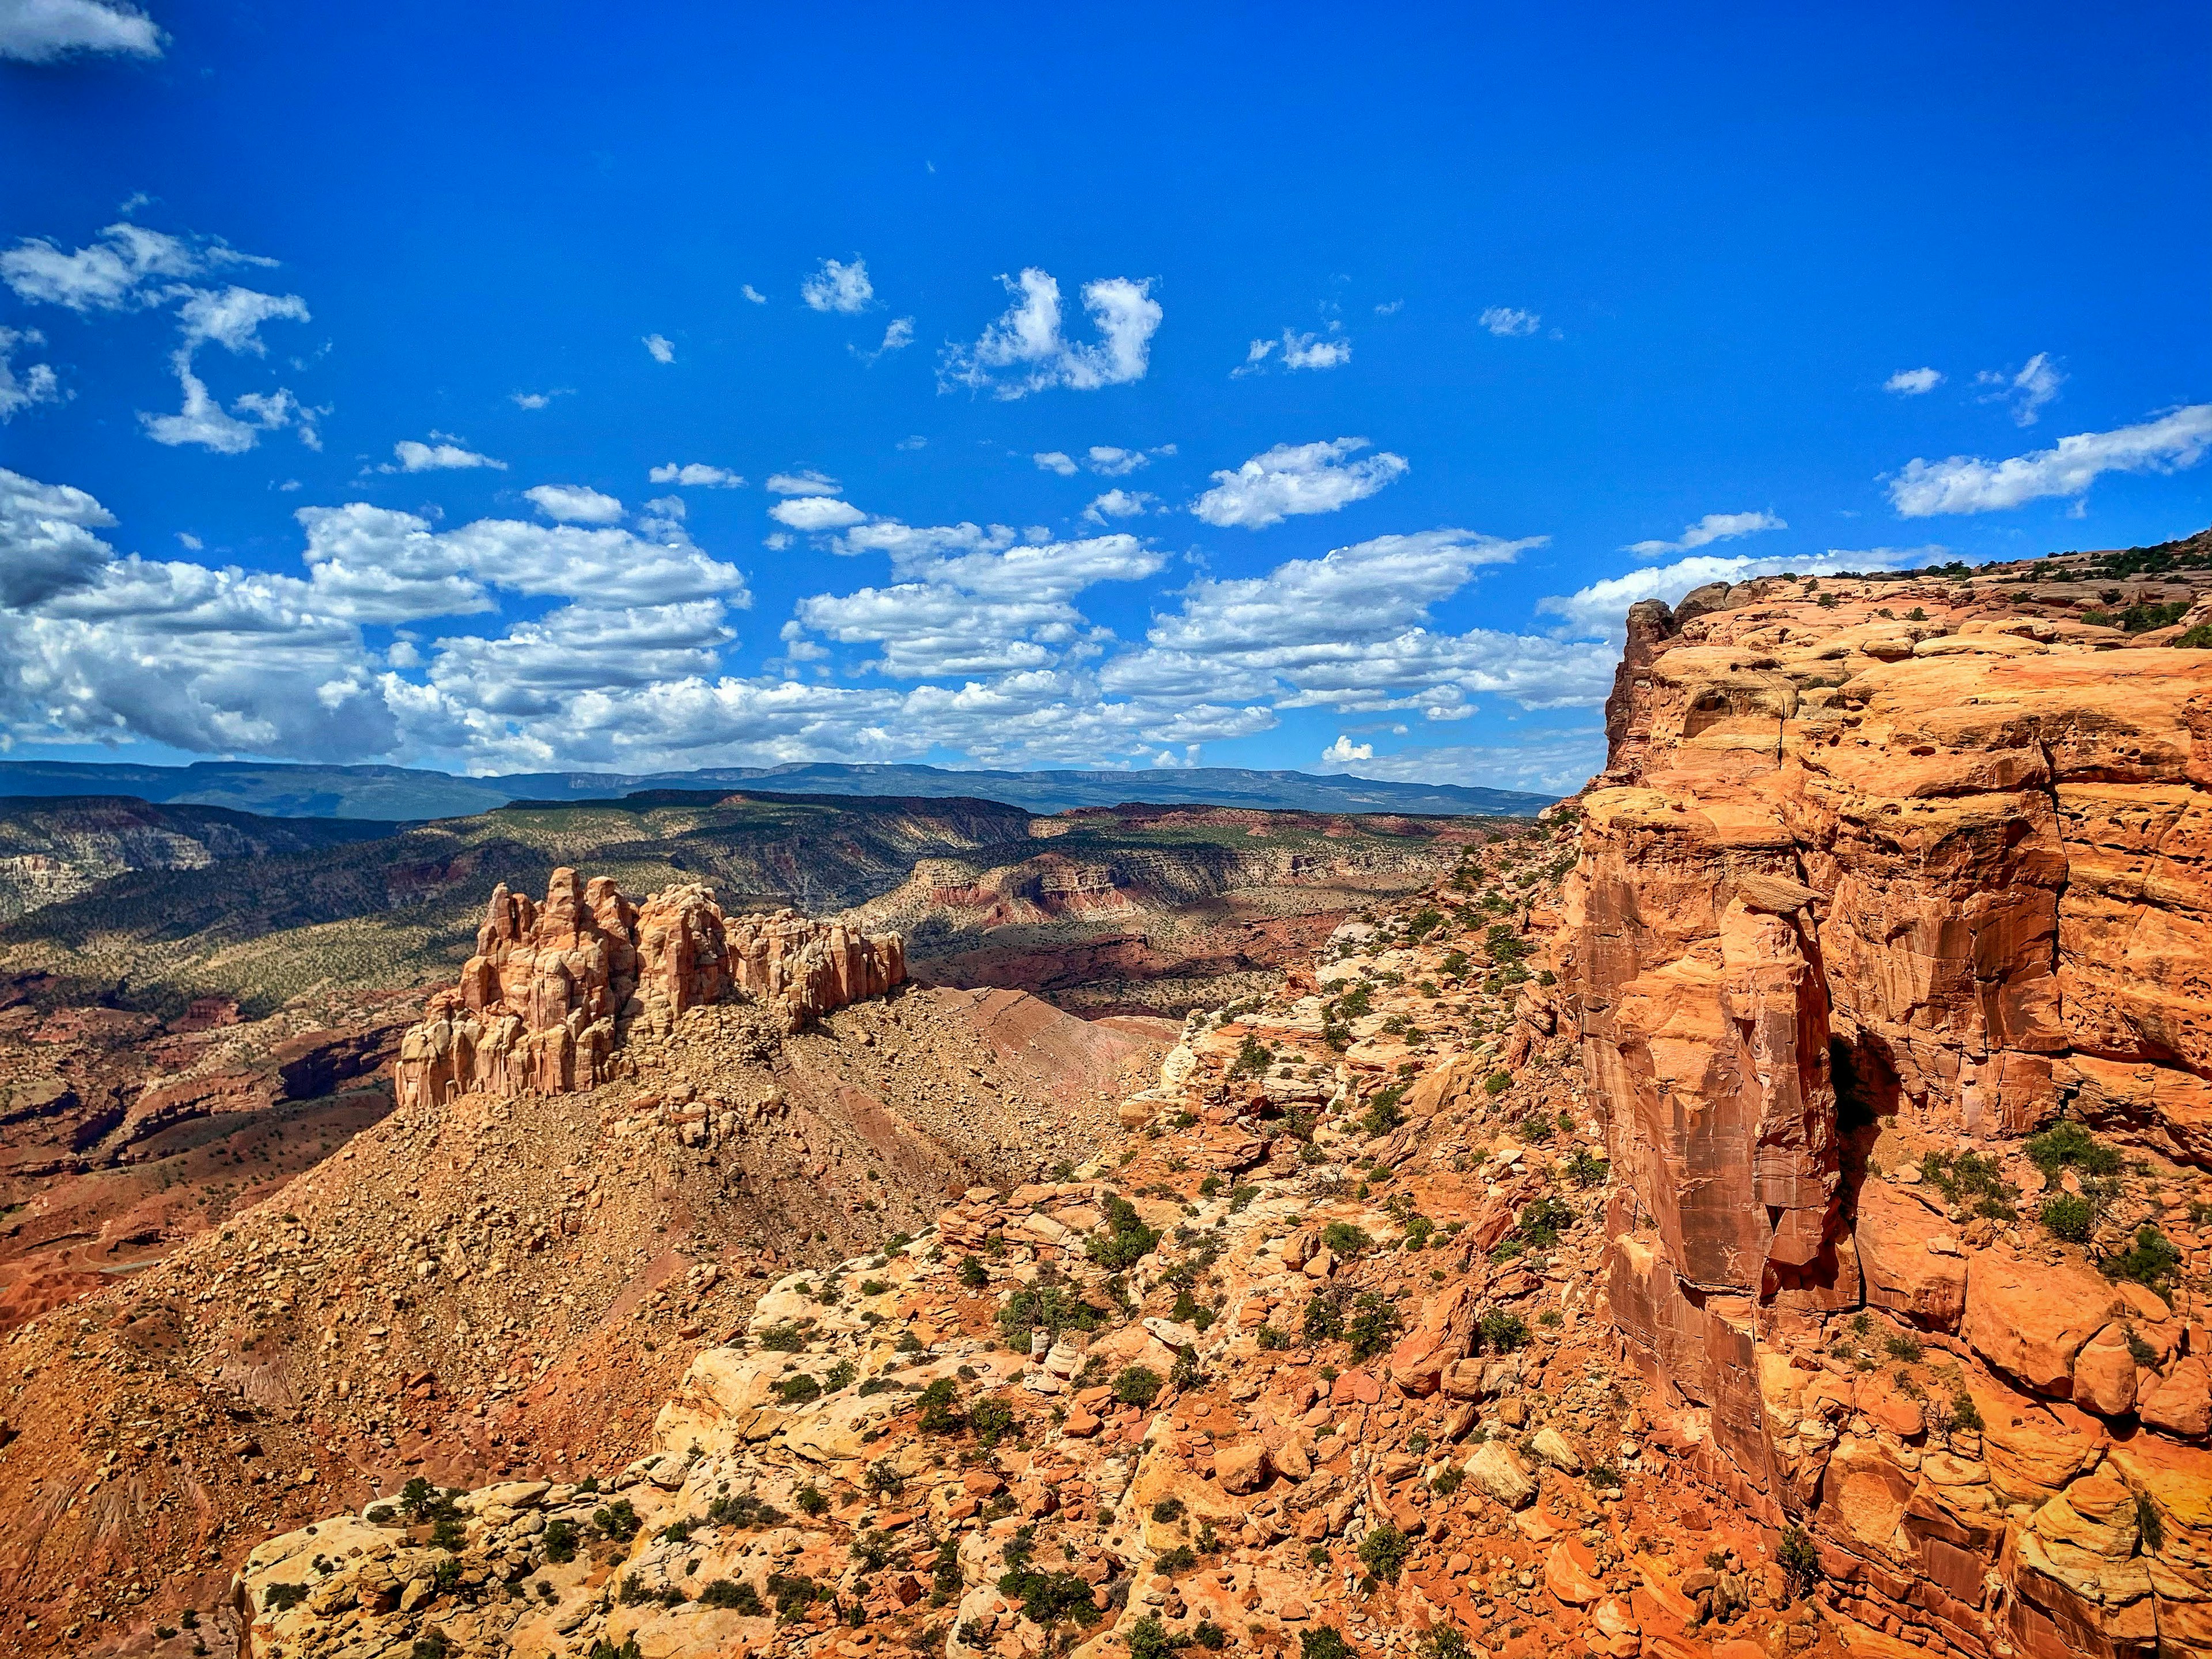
(400,794)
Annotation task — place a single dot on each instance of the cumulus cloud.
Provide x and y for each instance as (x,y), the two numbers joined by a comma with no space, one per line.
(1913,382)
(1298,479)
(1343,751)
(697,475)
(816,512)
(660,348)
(2025,391)
(534,400)
(839,287)
(1329,350)
(1055,461)
(575,504)
(1508,324)
(203,422)
(34,383)
(1121,504)
(968,602)
(808,482)
(46,544)
(125,267)
(42,30)
(1024,351)
(128,267)
(1351,631)
(441,455)
(1713,527)
(1967,483)
(1600,610)
(896,337)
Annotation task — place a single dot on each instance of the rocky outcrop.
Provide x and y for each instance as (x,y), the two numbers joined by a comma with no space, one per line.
(1882,878)
(553,988)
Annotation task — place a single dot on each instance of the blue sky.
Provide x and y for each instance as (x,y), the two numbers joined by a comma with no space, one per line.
(1395,352)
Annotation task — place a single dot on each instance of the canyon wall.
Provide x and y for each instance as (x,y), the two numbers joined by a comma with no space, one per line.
(552,989)
(1881,875)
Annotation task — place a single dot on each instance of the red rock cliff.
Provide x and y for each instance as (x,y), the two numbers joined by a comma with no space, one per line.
(544,1002)
(1889,879)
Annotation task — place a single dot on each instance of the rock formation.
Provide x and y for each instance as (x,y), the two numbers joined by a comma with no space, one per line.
(1888,877)
(553,988)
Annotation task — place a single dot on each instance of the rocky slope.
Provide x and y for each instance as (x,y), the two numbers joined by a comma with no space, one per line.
(487,1285)
(1760,1212)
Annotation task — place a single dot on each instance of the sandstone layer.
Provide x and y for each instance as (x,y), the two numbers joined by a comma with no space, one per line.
(553,989)
(1884,878)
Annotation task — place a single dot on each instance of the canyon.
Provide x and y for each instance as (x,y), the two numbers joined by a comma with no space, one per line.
(1762,1207)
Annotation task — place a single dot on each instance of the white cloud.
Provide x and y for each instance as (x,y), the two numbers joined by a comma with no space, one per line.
(916,441)
(839,287)
(1508,324)
(1114,463)
(1055,461)
(574,503)
(191,543)
(662,348)
(1966,483)
(1913,382)
(1389,308)
(815,512)
(539,399)
(896,337)
(233,317)
(808,482)
(1121,504)
(1601,608)
(697,475)
(1024,351)
(411,455)
(125,267)
(1298,479)
(988,608)
(203,422)
(1343,750)
(1713,527)
(1315,351)
(1327,350)
(35,383)
(41,31)
(752,294)
(1351,631)
(2026,391)
(46,544)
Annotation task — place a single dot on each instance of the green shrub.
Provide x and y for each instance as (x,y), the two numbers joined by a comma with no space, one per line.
(1047,1598)
(1502,1332)
(1344,1239)
(1324,1318)
(973,1274)
(797,1389)
(1797,1558)
(281,1597)
(810,1499)
(617,1521)
(559,1540)
(733,1593)
(1497,1082)
(1585,1169)
(2070,1216)
(1180,1560)
(1448,1480)
(1167,1511)
(1382,1114)
(1252,1060)
(1128,1243)
(1137,1385)
(1383,1553)
(992,1419)
(2065,1145)
(792,1595)
(786,1337)
(2152,1260)
(1964,1414)
(1324,1642)
(1374,1322)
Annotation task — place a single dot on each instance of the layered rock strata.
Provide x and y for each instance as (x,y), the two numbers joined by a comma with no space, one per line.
(1890,876)
(552,988)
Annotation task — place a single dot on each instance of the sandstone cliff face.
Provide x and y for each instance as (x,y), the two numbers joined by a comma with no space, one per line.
(541,1005)
(1903,871)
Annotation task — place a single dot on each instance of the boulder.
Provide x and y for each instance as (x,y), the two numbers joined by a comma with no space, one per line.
(2179,1402)
(2030,1319)
(1570,1573)
(1497,1468)
(1894,1232)
(1242,1469)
